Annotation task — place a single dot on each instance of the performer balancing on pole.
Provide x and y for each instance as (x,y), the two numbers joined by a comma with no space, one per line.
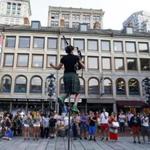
(70,78)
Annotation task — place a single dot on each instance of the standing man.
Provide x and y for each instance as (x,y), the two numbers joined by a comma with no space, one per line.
(70,78)
(104,116)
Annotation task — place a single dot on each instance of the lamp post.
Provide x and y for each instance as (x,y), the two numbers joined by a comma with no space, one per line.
(146,89)
(51,88)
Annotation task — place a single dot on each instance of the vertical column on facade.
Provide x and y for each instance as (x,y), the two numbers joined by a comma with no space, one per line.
(113,87)
(13,76)
(114,107)
(86,77)
(138,60)
(15,52)
(112,56)
(127,87)
(30,54)
(141,88)
(125,58)
(10,108)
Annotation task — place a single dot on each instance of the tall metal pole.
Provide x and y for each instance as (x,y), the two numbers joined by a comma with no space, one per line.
(69,122)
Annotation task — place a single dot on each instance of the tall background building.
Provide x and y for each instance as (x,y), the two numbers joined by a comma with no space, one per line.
(15,12)
(72,17)
(140,21)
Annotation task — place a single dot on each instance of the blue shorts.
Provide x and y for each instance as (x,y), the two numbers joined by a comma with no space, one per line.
(83,127)
(92,130)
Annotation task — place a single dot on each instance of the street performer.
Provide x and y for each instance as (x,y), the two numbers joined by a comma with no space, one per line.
(70,78)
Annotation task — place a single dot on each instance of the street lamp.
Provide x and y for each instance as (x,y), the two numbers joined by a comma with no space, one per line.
(146,88)
(51,88)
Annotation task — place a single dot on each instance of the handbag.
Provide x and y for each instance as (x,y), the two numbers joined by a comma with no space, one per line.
(115,124)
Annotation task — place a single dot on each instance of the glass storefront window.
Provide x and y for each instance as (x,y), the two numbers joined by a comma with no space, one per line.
(107,86)
(6,84)
(36,85)
(131,64)
(120,87)
(133,87)
(93,86)
(20,84)
(119,64)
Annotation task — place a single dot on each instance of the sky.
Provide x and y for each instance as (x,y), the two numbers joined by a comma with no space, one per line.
(116,11)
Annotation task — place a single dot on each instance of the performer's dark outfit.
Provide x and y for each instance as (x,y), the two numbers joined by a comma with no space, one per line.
(71,79)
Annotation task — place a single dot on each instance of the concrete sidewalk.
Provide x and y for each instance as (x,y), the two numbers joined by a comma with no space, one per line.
(59,143)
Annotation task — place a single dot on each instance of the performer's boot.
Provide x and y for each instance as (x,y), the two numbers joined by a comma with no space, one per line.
(75,109)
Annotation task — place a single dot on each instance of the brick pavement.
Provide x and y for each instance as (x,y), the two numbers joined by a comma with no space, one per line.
(124,143)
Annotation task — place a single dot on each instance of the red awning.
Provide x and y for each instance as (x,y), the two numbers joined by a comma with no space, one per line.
(125,103)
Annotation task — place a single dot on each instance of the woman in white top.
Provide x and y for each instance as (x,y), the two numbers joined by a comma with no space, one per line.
(36,125)
(145,127)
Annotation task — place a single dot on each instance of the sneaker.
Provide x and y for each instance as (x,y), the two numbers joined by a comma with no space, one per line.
(139,142)
(134,141)
(75,109)
(102,138)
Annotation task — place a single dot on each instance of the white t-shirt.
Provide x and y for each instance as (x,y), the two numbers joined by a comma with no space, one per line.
(104,118)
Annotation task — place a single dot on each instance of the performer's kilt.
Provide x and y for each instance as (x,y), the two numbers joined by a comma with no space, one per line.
(71,83)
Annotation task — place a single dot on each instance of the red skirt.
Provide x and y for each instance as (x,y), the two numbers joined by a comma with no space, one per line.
(113,136)
(113,133)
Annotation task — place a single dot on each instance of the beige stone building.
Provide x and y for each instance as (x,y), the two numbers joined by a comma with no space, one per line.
(71,17)
(116,64)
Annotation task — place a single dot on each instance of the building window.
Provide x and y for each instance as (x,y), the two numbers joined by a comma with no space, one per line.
(133,87)
(93,86)
(82,86)
(8,60)
(119,64)
(51,59)
(24,42)
(92,45)
(54,23)
(37,61)
(66,16)
(105,45)
(8,8)
(145,64)
(66,24)
(130,47)
(22,60)
(143,47)
(38,42)
(64,44)
(21,84)
(10,42)
(75,16)
(86,17)
(131,63)
(80,43)
(96,18)
(52,43)
(118,46)
(106,63)
(93,63)
(75,24)
(54,16)
(120,87)
(6,84)
(36,85)
(107,83)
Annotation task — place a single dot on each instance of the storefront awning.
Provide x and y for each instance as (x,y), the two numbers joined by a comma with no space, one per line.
(125,103)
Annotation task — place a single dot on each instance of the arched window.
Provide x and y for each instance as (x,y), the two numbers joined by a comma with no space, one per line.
(82,86)
(120,86)
(93,86)
(6,84)
(61,83)
(133,87)
(107,83)
(36,85)
(21,84)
